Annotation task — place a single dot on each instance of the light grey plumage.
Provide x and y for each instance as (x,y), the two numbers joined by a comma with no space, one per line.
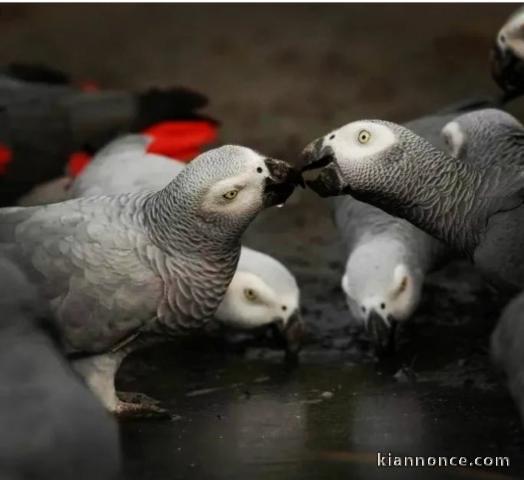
(276,295)
(115,169)
(262,292)
(474,210)
(388,257)
(151,261)
(52,426)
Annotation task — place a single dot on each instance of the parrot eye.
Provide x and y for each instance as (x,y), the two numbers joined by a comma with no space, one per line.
(230,195)
(364,136)
(250,294)
(502,38)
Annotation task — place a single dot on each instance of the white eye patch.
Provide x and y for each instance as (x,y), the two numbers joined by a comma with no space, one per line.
(345,284)
(454,138)
(241,193)
(360,140)
(244,281)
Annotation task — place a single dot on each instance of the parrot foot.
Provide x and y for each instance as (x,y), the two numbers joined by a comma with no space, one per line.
(139,405)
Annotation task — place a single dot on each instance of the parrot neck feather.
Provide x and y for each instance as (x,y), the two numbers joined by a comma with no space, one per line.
(197,264)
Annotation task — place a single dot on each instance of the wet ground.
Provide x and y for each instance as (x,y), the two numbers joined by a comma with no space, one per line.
(278,77)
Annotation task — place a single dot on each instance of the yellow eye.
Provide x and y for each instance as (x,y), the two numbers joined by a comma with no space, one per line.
(250,294)
(230,195)
(364,136)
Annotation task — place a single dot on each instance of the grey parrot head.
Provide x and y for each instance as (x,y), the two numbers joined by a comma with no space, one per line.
(200,216)
(263,295)
(507,56)
(381,289)
(483,134)
(369,159)
(222,190)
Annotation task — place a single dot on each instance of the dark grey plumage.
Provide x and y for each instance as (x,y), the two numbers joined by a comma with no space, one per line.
(430,126)
(476,211)
(485,138)
(507,351)
(507,58)
(388,257)
(52,426)
(44,117)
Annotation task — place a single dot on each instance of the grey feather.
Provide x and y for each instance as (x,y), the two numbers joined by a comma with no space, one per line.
(485,138)
(270,270)
(111,265)
(507,62)
(52,426)
(125,166)
(43,116)
(430,127)
(377,243)
(475,210)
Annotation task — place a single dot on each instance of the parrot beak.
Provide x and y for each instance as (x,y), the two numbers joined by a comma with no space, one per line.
(291,334)
(508,71)
(316,156)
(382,332)
(281,183)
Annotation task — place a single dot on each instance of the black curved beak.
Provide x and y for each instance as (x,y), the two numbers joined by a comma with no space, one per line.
(382,332)
(508,71)
(317,156)
(282,180)
(290,335)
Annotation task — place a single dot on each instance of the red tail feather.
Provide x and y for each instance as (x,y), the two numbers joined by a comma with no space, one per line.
(89,86)
(182,140)
(77,162)
(5,158)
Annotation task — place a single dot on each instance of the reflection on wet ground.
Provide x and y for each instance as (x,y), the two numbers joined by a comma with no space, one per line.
(258,419)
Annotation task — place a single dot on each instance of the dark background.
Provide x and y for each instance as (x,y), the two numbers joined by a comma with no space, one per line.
(276,75)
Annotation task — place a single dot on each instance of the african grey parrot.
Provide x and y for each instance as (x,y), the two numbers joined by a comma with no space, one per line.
(388,257)
(474,210)
(116,267)
(485,138)
(43,119)
(263,291)
(507,59)
(53,428)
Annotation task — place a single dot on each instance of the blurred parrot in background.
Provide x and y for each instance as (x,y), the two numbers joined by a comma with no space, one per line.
(46,121)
